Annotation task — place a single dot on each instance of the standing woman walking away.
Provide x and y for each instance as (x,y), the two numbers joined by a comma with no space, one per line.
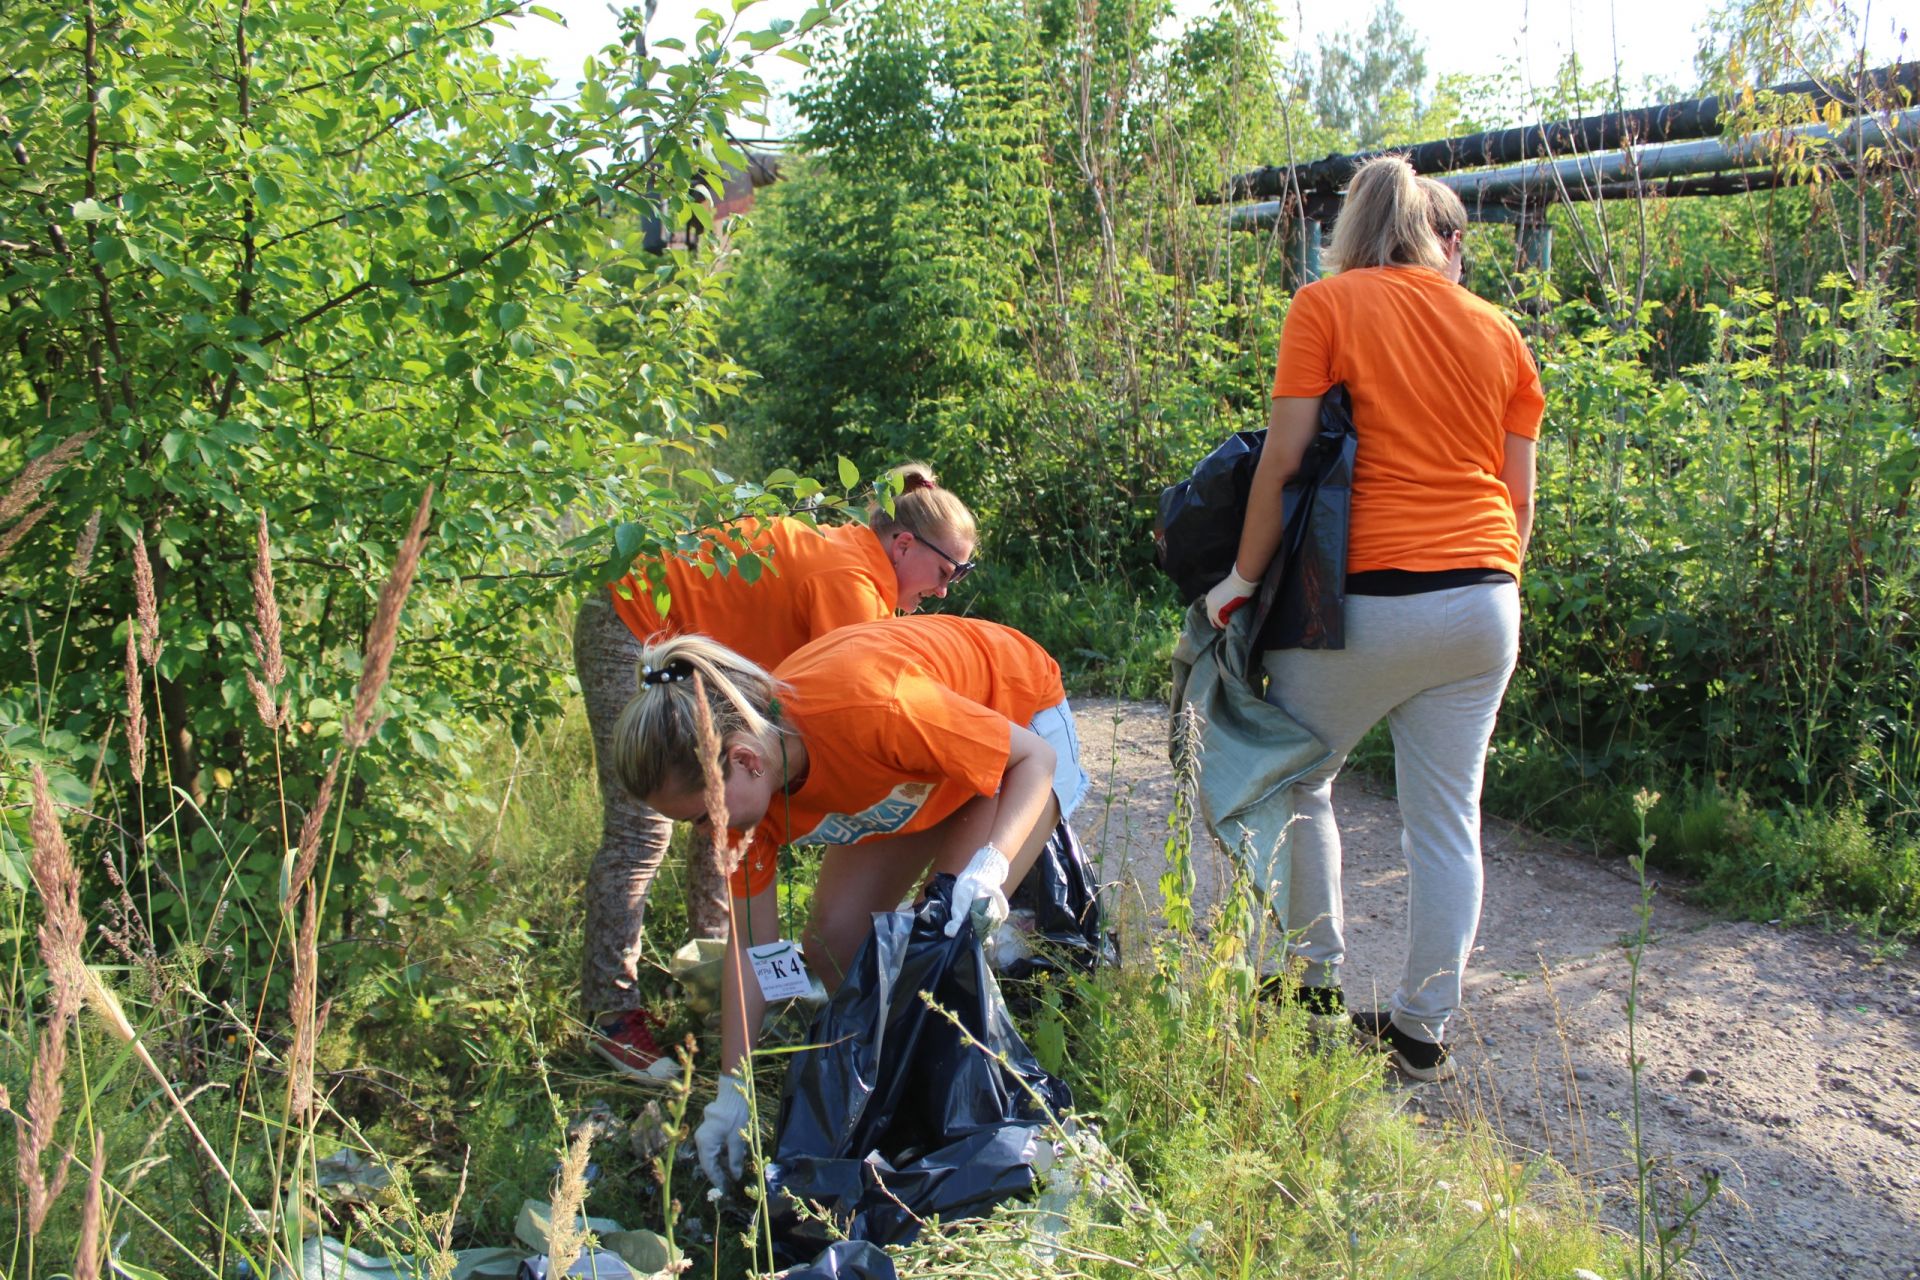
(914,742)
(1447,406)
(819,579)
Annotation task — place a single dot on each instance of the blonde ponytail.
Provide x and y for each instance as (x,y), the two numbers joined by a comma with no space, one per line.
(921,507)
(656,744)
(1393,218)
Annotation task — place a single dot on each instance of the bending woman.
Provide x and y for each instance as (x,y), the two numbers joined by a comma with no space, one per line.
(937,742)
(1447,406)
(819,579)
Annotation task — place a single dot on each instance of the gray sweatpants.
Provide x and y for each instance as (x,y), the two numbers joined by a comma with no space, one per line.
(633,838)
(1435,666)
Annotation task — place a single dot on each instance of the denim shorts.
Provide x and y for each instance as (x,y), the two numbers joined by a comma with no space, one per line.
(1055,724)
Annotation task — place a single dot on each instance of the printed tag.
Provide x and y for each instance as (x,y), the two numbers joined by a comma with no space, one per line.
(781,971)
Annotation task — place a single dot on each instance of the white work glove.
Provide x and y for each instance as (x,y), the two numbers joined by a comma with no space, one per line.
(1227,595)
(723,1131)
(981,884)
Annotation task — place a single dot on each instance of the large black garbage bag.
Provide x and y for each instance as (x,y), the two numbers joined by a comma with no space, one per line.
(1064,898)
(1197,531)
(1302,601)
(892,1116)
(847,1260)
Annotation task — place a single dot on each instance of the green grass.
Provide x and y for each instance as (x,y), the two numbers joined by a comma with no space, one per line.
(1235,1148)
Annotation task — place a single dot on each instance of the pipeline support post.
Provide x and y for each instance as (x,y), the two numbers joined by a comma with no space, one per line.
(1536,243)
(1307,255)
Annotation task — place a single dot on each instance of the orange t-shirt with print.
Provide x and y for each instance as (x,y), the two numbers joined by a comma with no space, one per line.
(817,579)
(905,721)
(1439,378)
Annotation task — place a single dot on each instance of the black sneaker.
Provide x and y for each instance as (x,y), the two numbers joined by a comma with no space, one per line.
(1326,1007)
(1416,1059)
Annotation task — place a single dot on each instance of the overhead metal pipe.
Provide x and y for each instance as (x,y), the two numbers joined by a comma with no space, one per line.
(1544,182)
(1679,121)
(1711,166)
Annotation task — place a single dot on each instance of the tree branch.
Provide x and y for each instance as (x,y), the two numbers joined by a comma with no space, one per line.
(243,299)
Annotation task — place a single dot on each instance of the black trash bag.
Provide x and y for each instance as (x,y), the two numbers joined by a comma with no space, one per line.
(1064,898)
(1197,531)
(1302,603)
(847,1260)
(893,1116)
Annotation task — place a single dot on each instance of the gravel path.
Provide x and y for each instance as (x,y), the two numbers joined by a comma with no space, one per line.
(1787,1060)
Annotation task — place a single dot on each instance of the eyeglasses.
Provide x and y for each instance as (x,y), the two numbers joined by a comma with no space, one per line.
(961,568)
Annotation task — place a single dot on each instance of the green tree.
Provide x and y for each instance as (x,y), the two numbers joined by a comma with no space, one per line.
(305,258)
(1366,84)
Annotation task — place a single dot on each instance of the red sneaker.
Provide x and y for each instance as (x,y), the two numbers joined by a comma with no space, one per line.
(626,1040)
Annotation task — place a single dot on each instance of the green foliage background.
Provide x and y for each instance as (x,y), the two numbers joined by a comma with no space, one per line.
(297,262)
(993,259)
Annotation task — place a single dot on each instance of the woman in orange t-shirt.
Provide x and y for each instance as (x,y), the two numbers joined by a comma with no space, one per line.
(914,742)
(815,580)
(1447,406)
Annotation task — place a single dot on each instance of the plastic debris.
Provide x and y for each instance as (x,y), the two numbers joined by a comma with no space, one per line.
(348,1177)
(696,967)
(638,1254)
(893,1116)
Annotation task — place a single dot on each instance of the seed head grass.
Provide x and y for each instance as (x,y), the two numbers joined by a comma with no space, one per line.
(146,601)
(383,632)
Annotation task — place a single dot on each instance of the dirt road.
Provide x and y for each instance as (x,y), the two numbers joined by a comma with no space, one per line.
(1786,1060)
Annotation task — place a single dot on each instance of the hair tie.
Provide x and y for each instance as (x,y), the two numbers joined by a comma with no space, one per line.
(675,670)
(914,480)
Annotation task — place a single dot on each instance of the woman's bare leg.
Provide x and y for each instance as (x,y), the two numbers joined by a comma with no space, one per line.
(859,879)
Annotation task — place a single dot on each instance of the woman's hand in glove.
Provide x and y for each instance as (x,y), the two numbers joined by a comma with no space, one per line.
(1227,595)
(983,882)
(722,1131)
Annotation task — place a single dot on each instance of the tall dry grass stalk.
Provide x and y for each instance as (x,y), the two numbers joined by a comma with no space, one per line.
(62,936)
(12,537)
(713,783)
(86,1255)
(377,659)
(306,986)
(25,488)
(146,601)
(569,1235)
(83,549)
(308,850)
(136,708)
(106,1006)
(265,635)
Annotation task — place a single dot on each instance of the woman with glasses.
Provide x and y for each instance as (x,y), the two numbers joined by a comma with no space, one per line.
(924,742)
(817,579)
(1447,406)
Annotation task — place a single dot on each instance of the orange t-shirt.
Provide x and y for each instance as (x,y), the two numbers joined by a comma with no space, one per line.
(1439,378)
(905,721)
(817,579)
